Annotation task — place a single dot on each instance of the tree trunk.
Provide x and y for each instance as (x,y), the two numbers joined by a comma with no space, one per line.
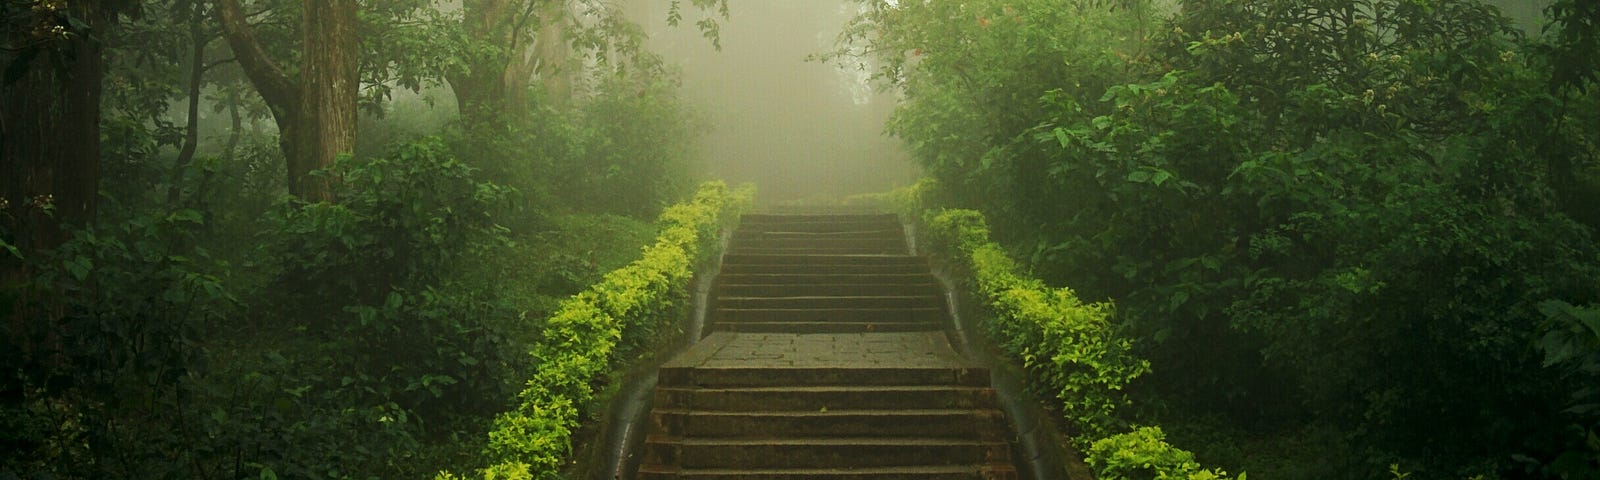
(493,85)
(316,115)
(50,134)
(329,82)
(49,159)
(197,74)
(556,73)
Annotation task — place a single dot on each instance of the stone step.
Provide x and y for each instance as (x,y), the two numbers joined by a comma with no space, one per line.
(882,250)
(825,422)
(804,269)
(819,226)
(751,219)
(824,279)
(885,233)
(816,398)
(831,302)
(828,260)
(926,314)
(716,377)
(918,472)
(863,245)
(725,289)
(841,453)
(827,327)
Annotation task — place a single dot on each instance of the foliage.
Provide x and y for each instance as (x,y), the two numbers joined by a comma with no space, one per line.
(1066,344)
(1350,210)
(637,140)
(587,334)
(1571,345)
(1144,454)
(103,351)
(372,275)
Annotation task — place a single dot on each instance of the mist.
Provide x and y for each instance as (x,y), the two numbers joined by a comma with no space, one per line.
(797,129)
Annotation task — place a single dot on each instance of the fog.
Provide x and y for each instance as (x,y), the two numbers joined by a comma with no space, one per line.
(797,129)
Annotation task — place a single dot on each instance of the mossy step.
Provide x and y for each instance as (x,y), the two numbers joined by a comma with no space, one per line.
(924,288)
(816,398)
(825,279)
(822,259)
(825,422)
(918,472)
(821,268)
(820,452)
(929,314)
(831,302)
(714,377)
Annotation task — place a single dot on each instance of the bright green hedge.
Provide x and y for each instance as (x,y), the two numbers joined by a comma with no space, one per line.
(579,344)
(1067,346)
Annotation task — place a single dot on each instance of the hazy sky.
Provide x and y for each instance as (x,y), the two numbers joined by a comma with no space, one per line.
(797,129)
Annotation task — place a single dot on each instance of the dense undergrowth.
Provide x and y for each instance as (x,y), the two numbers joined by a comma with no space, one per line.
(1069,349)
(1348,236)
(211,327)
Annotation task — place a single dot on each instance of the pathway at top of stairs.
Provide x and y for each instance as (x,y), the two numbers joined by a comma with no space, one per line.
(828,358)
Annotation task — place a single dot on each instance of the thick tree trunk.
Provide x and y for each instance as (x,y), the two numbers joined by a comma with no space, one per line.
(316,115)
(556,73)
(50,135)
(49,162)
(328,83)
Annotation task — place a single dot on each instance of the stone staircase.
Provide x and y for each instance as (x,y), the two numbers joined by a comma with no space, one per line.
(827,359)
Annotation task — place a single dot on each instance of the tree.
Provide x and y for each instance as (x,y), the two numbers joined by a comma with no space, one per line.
(50,115)
(496,62)
(316,110)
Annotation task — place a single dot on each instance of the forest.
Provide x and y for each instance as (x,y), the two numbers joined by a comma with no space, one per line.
(1286,239)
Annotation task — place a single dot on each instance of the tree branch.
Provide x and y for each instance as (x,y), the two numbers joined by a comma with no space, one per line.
(275,86)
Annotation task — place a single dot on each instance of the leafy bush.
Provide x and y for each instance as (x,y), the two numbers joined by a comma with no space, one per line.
(373,275)
(1349,209)
(583,339)
(1068,347)
(103,352)
(1144,454)
(1066,344)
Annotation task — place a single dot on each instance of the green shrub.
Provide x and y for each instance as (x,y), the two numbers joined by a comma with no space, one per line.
(583,340)
(1065,344)
(1144,454)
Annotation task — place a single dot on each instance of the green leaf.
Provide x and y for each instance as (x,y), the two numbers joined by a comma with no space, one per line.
(79,267)
(1160,177)
(1139,176)
(1062,138)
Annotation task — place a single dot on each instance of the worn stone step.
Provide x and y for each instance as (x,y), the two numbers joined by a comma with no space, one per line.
(831,302)
(801,376)
(827,327)
(843,453)
(856,250)
(925,288)
(815,398)
(813,269)
(930,314)
(896,233)
(825,422)
(750,219)
(820,226)
(918,472)
(828,260)
(868,243)
(824,278)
